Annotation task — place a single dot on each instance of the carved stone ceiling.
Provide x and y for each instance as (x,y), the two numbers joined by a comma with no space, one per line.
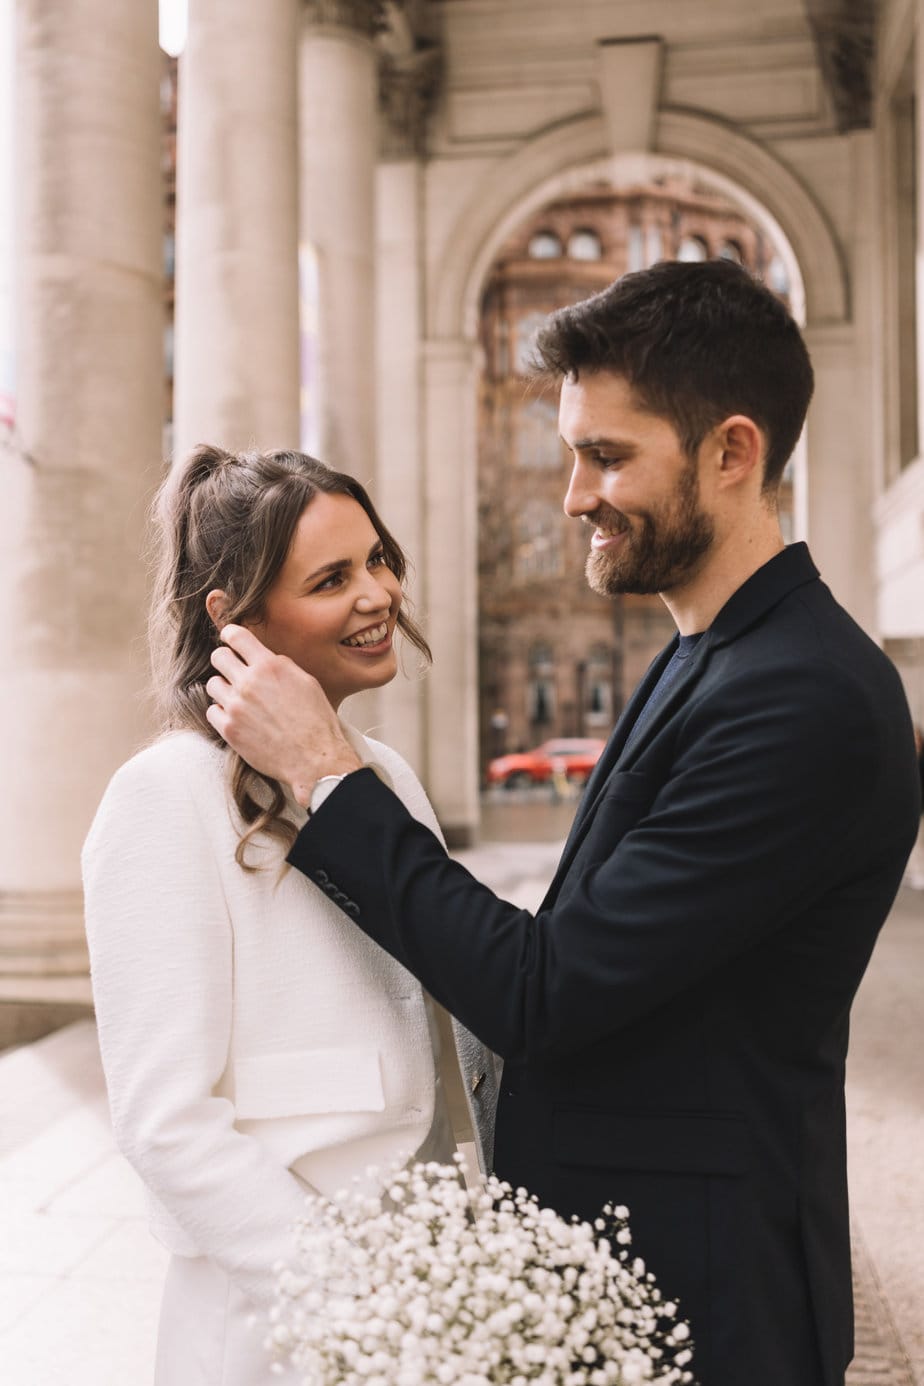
(844,32)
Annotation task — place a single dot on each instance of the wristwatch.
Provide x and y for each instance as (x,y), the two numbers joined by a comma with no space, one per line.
(323,789)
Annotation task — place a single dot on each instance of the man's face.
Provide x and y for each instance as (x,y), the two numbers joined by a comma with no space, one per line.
(632,481)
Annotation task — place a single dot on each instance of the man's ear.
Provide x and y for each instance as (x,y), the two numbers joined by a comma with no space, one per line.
(216,604)
(742,450)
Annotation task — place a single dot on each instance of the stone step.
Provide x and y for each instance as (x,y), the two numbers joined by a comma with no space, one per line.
(42,939)
(53,963)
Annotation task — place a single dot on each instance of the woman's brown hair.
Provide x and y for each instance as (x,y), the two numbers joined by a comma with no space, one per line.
(226,520)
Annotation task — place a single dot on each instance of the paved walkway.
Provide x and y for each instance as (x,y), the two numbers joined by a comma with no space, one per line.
(80,1277)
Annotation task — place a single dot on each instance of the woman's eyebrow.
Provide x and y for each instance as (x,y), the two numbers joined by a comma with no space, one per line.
(335,567)
(340,563)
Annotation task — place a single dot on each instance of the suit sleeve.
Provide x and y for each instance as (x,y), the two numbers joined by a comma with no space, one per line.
(161,954)
(771,798)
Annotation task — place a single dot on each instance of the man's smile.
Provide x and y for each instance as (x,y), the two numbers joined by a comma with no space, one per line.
(605,539)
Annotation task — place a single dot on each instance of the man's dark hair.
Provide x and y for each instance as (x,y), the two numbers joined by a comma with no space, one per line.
(697,342)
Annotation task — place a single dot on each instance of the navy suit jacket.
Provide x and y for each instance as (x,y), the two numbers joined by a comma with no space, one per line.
(674,1019)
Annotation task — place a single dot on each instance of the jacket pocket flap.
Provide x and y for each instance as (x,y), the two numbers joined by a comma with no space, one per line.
(346,1079)
(655,1142)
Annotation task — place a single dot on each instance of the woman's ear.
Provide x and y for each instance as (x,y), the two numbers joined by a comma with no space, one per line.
(216,604)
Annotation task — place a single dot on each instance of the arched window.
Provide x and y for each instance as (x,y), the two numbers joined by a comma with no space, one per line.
(544,245)
(636,248)
(585,245)
(526,330)
(538,549)
(692,248)
(538,443)
(778,276)
(654,246)
(731,250)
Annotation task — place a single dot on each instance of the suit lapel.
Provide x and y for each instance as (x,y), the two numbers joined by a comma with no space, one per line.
(613,748)
(670,701)
(607,762)
(623,757)
(789,569)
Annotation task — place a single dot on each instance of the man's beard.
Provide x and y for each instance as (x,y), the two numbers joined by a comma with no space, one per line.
(661,555)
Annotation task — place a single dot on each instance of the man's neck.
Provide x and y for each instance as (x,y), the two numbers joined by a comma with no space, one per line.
(695,605)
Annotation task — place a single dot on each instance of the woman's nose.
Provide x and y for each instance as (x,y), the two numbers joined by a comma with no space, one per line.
(374,596)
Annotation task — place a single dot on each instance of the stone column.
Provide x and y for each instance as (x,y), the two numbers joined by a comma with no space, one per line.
(338,149)
(450,553)
(842,427)
(408,86)
(84,459)
(7,195)
(236,376)
(838,480)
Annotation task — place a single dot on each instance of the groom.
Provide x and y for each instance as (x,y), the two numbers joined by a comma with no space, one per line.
(674,1018)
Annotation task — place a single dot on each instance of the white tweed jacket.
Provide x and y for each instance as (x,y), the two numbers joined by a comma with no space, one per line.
(249,1032)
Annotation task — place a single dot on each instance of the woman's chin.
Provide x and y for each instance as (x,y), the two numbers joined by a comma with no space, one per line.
(373,678)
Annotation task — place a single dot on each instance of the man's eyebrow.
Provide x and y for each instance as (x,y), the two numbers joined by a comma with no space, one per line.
(585,444)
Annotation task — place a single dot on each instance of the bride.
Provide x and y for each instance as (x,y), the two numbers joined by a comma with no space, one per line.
(255,1044)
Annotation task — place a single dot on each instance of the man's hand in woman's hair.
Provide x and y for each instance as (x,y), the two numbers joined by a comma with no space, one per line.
(275,715)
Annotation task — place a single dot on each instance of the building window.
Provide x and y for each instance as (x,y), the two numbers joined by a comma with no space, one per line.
(778,276)
(692,248)
(654,246)
(168,350)
(731,250)
(538,550)
(541,685)
(538,443)
(544,245)
(526,330)
(598,695)
(636,248)
(585,245)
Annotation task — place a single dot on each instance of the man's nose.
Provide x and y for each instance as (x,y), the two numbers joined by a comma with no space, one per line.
(580,497)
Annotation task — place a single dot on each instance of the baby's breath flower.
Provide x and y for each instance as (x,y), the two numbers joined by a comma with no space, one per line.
(428,1283)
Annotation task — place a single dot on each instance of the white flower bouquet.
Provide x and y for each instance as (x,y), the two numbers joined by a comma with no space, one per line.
(435,1283)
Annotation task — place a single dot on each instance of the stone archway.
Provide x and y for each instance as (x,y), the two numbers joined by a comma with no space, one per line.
(550,166)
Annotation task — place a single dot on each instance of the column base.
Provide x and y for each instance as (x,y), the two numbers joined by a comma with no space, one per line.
(23,1022)
(44,964)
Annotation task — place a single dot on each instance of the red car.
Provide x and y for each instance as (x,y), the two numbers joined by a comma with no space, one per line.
(577,756)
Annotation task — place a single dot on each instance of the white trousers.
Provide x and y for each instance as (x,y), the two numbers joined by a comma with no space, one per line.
(209,1334)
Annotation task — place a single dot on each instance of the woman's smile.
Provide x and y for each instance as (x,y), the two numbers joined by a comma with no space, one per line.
(372,640)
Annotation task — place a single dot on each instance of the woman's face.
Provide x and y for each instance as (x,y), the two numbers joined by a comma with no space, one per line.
(334,604)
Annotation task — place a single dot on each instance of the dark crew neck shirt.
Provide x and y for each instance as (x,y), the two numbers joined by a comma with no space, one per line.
(686,644)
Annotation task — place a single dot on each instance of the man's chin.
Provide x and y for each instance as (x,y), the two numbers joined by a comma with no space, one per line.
(610,581)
